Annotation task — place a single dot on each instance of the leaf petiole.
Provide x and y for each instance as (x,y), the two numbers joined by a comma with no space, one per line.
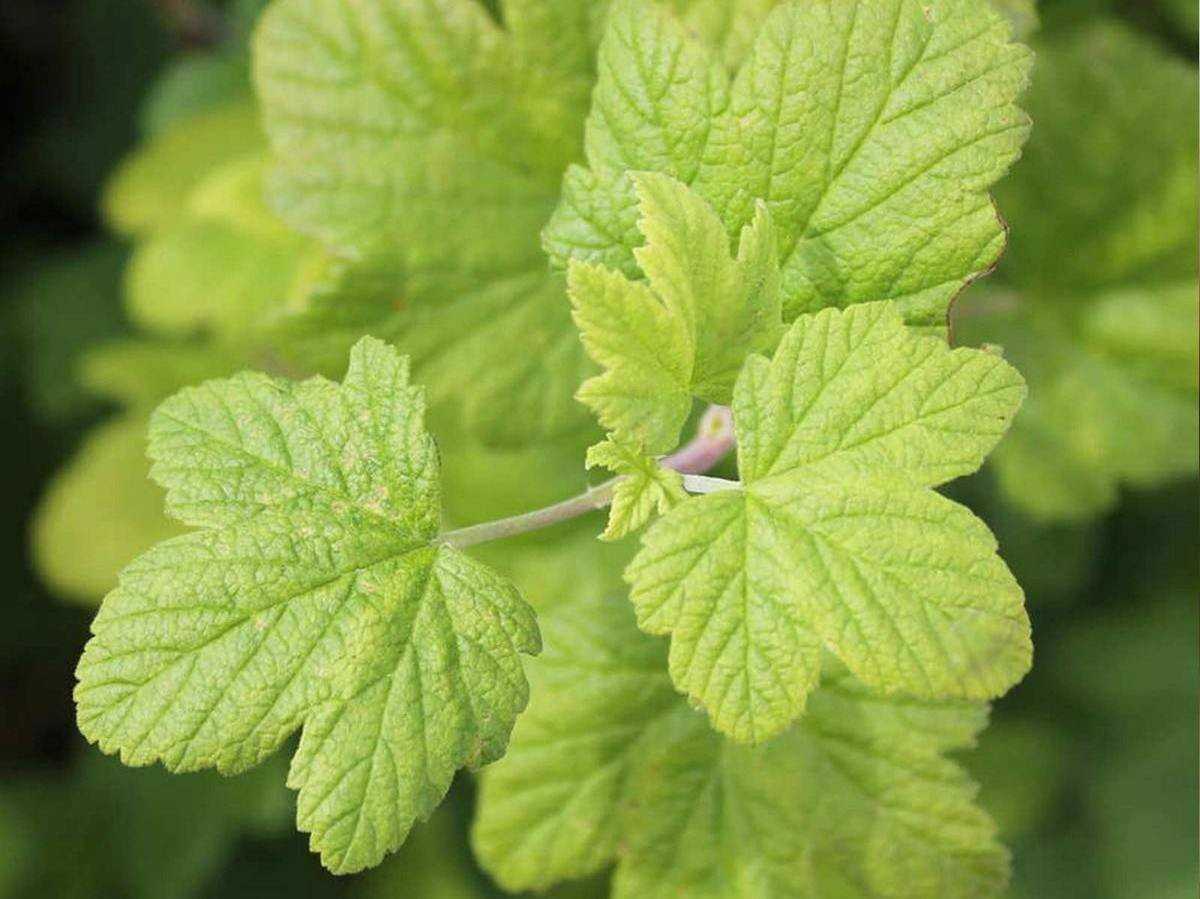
(713,441)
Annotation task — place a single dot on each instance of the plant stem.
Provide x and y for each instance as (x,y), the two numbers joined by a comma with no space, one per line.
(698,483)
(714,439)
(589,501)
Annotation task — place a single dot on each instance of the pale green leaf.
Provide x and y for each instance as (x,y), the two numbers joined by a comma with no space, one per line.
(728,26)
(875,166)
(313,596)
(834,538)
(195,84)
(685,332)
(855,801)
(410,125)
(562,565)
(430,133)
(608,765)
(434,138)
(1149,333)
(713,575)
(99,511)
(226,265)
(140,373)
(860,391)
(506,356)
(553,809)
(643,487)
(151,187)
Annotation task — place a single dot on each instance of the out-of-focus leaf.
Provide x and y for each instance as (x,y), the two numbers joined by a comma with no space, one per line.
(1105,330)
(226,265)
(65,303)
(194,85)
(107,831)
(1112,397)
(99,512)
(1106,189)
(138,372)
(1021,767)
(151,187)
(101,509)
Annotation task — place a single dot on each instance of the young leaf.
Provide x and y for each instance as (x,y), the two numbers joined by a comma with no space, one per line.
(644,486)
(835,538)
(313,595)
(608,764)
(874,165)
(685,333)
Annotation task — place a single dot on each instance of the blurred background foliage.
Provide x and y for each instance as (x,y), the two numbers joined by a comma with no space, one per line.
(138,256)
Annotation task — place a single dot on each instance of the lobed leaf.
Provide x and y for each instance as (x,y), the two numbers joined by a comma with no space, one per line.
(312,596)
(874,165)
(835,539)
(685,332)
(643,486)
(608,765)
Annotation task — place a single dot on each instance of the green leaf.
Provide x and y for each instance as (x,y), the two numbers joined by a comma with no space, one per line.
(146,834)
(561,565)
(430,141)
(642,488)
(608,764)
(553,809)
(874,166)
(1106,332)
(150,188)
(314,594)
(855,801)
(1110,168)
(63,304)
(430,134)
(140,373)
(685,333)
(99,511)
(506,357)
(193,85)
(1114,402)
(226,265)
(391,120)
(835,538)
(464,349)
